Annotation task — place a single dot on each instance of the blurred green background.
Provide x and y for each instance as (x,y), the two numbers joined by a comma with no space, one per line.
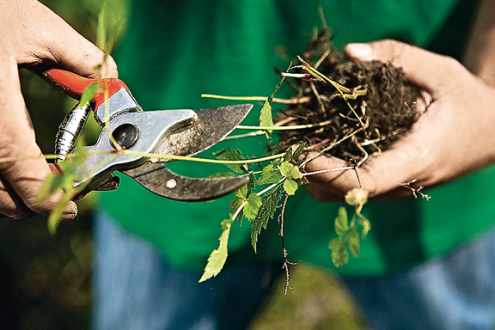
(45,282)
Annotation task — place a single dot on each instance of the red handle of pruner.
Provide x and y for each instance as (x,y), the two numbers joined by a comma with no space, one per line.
(74,85)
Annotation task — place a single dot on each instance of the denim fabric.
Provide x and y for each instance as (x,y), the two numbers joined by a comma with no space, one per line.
(136,289)
(456,292)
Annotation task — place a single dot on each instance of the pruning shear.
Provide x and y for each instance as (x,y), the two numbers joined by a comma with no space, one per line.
(181,132)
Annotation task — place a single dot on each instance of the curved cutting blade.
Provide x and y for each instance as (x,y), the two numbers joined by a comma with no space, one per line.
(161,181)
(212,126)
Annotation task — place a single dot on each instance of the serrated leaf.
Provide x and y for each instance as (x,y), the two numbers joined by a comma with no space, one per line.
(235,204)
(290,171)
(252,182)
(270,174)
(266,117)
(366,226)
(341,222)
(340,256)
(354,241)
(232,154)
(290,186)
(252,207)
(299,151)
(242,192)
(265,213)
(288,155)
(217,258)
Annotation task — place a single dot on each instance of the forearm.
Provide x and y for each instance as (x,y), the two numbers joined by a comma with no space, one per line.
(479,55)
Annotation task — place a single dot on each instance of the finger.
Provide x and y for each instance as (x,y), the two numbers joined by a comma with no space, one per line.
(425,69)
(23,173)
(330,178)
(10,204)
(64,46)
(403,162)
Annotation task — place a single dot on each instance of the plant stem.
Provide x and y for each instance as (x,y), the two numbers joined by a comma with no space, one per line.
(203,160)
(286,128)
(330,147)
(329,170)
(150,155)
(257,98)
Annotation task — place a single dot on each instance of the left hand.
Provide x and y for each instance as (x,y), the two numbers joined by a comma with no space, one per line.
(453,138)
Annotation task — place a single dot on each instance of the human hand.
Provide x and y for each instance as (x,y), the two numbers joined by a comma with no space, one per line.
(454,137)
(32,34)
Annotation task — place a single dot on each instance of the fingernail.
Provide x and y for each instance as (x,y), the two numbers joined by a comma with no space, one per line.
(70,211)
(363,51)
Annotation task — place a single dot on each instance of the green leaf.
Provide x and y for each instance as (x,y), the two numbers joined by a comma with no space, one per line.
(88,94)
(290,171)
(299,151)
(270,174)
(266,117)
(252,207)
(53,183)
(55,216)
(101,31)
(341,222)
(290,186)
(252,182)
(242,192)
(366,225)
(265,213)
(288,155)
(232,154)
(80,154)
(217,258)
(354,241)
(340,256)
(67,167)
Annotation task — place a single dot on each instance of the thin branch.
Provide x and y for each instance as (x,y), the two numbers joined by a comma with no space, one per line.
(285,128)
(286,263)
(318,97)
(322,58)
(329,170)
(329,147)
(416,191)
(304,99)
(260,132)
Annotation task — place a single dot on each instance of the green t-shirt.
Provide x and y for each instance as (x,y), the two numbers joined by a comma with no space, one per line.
(176,50)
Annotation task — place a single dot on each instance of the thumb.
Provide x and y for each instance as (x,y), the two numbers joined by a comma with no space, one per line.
(67,48)
(430,71)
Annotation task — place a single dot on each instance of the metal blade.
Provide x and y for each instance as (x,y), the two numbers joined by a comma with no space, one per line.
(161,181)
(211,127)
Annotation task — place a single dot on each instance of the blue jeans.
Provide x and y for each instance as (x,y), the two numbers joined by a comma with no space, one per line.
(136,289)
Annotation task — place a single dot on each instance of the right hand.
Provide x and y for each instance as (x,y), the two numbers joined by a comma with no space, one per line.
(32,34)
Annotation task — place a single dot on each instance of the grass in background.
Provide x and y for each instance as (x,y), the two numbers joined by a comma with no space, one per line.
(317,301)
